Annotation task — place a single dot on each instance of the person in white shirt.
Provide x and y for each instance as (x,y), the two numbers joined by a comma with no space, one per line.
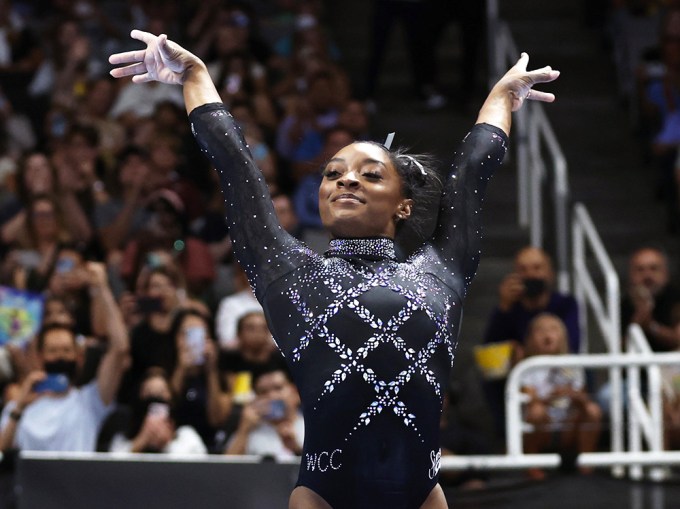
(272,424)
(50,413)
(232,308)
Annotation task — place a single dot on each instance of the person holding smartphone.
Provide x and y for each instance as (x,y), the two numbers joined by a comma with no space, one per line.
(152,425)
(202,400)
(50,413)
(271,424)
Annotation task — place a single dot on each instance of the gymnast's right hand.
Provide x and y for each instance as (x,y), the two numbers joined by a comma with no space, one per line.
(162,60)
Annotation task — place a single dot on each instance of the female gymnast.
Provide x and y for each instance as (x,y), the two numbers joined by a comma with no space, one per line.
(369,338)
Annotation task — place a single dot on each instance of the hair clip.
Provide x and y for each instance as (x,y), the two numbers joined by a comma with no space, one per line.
(388,141)
(416,162)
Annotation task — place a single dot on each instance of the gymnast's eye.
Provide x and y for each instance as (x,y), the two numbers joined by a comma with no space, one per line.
(372,175)
(331,173)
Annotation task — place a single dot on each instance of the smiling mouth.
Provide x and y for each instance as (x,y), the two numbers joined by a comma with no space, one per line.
(348,196)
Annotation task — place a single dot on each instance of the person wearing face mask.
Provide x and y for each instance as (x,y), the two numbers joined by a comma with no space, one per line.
(50,413)
(522,295)
(151,427)
(527,292)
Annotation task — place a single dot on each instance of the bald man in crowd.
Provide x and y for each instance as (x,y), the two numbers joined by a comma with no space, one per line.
(525,293)
(652,301)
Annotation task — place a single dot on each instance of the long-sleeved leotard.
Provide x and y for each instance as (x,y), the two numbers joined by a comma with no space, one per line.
(369,340)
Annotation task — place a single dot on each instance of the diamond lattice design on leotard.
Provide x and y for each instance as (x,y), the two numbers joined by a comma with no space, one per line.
(352,361)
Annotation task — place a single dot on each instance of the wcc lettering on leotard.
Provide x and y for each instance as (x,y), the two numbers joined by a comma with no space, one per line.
(324,460)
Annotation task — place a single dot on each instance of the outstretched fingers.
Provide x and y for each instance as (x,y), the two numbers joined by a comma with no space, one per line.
(544,75)
(523,62)
(130,70)
(127,57)
(537,95)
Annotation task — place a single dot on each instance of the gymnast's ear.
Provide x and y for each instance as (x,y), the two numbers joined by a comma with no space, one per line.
(404,210)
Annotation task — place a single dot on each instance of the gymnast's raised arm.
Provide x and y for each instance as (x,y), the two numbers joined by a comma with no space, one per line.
(458,232)
(263,248)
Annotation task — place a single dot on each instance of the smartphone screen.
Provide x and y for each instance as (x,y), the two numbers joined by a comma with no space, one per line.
(64,265)
(54,382)
(276,410)
(195,338)
(148,304)
(159,409)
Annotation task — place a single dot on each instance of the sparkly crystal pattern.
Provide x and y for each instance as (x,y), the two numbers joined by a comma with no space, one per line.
(371,248)
(370,340)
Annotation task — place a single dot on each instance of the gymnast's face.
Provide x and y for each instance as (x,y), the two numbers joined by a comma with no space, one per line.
(361,193)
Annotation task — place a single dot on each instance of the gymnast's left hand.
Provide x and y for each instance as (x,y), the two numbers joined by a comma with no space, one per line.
(518,82)
(162,60)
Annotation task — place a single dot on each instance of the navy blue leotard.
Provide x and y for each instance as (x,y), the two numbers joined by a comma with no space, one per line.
(369,340)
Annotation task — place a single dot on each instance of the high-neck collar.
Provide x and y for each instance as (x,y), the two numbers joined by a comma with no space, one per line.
(371,248)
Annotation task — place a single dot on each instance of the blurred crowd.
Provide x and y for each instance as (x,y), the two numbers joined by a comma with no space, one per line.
(645,38)
(147,335)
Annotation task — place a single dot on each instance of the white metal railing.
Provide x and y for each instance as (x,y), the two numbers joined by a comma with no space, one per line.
(645,415)
(541,134)
(645,419)
(606,311)
(654,457)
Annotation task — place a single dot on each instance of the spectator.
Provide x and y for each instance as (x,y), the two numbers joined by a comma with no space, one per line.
(558,403)
(233,307)
(660,104)
(311,112)
(651,301)
(61,77)
(46,232)
(202,402)
(93,110)
(283,207)
(151,342)
(37,176)
(256,352)
(69,282)
(49,412)
(167,231)
(118,219)
(524,294)
(271,424)
(135,103)
(151,426)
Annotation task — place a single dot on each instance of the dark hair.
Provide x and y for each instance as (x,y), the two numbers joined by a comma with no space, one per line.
(22,189)
(268,369)
(50,327)
(184,313)
(173,273)
(422,183)
(243,317)
(89,134)
(155,372)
